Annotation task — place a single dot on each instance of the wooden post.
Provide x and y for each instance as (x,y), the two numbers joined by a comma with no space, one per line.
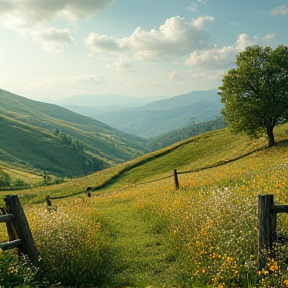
(266,226)
(22,229)
(176,181)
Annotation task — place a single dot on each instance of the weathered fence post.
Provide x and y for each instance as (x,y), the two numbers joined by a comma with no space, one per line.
(20,228)
(266,226)
(176,181)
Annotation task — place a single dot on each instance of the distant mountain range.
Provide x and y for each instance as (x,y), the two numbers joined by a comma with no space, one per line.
(105,101)
(154,118)
(53,139)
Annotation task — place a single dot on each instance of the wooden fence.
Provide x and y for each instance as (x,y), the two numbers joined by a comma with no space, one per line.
(18,229)
(267,220)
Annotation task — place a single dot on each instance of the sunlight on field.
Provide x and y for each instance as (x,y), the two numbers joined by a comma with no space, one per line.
(151,235)
(205,233)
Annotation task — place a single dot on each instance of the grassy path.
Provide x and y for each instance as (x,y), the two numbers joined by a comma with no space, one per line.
(143,254)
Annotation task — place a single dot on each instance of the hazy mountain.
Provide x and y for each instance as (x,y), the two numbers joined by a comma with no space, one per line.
(152,123)
(184,100)
(163,116)
(54,139)
(157,117)
(107,100)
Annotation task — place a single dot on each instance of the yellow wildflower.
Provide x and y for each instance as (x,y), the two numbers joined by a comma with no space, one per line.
(236,272)
(273,266)
(229,259)
(214,280)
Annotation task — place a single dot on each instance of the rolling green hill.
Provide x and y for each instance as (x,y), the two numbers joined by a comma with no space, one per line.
(200,151)
(137,230)
(59,141)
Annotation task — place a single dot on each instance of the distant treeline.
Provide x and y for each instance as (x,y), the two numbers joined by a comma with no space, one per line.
(67,140)
(185,133)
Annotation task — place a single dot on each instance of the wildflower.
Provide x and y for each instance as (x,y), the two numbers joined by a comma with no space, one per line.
(214,280)
(229,259)
(13,270)
(273,266)
(236,272)
(265,272)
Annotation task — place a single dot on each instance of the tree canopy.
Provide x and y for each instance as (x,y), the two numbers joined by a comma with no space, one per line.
(255,94)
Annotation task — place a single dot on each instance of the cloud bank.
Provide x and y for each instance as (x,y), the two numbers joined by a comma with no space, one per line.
(30,16)
(176,37)
(30,13)
(282,10)
(221,57)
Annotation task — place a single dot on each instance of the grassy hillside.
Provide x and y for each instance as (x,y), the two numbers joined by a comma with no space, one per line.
(151,235)
(45,136)
(196,152)
(41,149)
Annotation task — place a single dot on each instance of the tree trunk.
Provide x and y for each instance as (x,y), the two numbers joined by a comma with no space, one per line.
(271,140)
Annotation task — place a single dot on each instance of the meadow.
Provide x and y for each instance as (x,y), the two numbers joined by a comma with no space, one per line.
(131,233)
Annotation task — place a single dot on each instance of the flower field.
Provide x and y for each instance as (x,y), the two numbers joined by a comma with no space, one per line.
(151,235)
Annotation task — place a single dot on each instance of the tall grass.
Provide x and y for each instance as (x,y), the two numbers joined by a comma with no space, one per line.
(202,235)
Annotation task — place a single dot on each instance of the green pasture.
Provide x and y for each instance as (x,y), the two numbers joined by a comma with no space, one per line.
(131,234)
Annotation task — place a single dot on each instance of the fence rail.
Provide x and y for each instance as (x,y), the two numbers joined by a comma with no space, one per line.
(18,229)
(174,176)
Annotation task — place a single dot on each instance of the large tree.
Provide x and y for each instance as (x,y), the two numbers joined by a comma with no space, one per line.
(255,94)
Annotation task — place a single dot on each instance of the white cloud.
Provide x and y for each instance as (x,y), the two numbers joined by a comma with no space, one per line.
(53,39)
(124,65)
(29,13)
(98,42)
(174,38)
(282,10)
(221,57)
(199,22)
(92,79)
(176,76)
(195,5)
(270,36)
(29,16)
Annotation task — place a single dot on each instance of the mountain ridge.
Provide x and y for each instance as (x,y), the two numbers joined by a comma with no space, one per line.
(158,117)
(74,145)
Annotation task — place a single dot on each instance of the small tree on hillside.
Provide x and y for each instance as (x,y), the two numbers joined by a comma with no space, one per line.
(255,94)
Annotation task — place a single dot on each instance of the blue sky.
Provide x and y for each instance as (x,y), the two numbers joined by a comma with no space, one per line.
(53,49)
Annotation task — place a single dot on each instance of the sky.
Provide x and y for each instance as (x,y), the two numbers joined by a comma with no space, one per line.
(54,49)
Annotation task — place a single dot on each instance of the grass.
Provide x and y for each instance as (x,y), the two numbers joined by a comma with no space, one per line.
(150,235)
(28,135)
